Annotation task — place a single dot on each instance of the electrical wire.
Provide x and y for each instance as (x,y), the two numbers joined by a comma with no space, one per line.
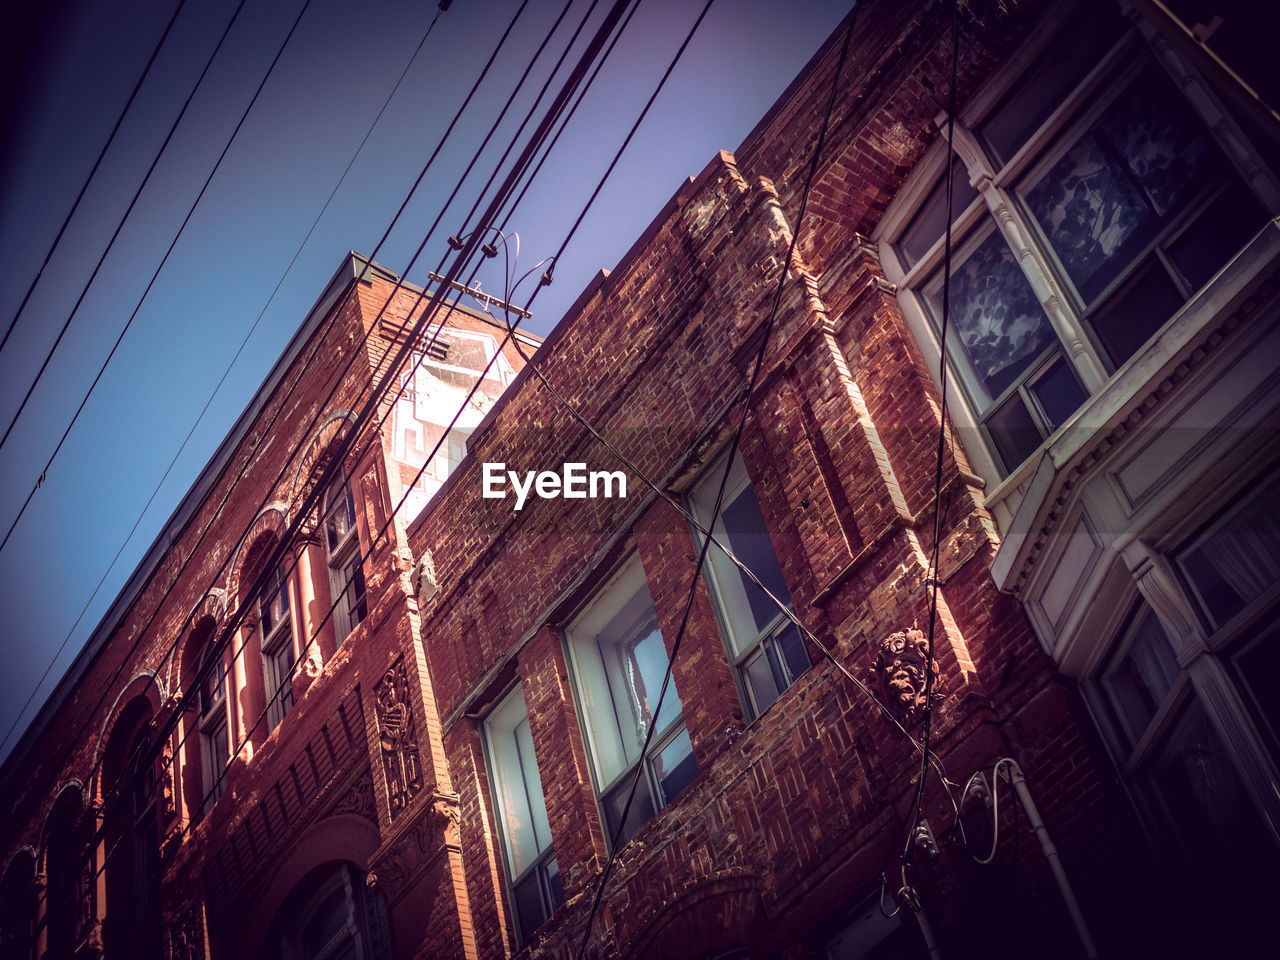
(767,329)
(89,178)
(119,226)
(337,457)
(355,352)
(225,373)
(934,578)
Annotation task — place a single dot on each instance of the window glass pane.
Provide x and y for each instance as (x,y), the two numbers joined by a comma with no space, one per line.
(1140,681)
(341,517)
(1216,235)
(620,659)
(995,317)
(1014,432)
(1054,74)
(1112,190)
(213,688)
(522,810)
(1058,392)
(674,766)
(555,889)
(528,900)
(758,674)
(745,608)
(930,221)
(1234,563)
(331,916)
(1256,661)
(275,601)
(1137,310)
(641,809)
(792,651)
(1204,801)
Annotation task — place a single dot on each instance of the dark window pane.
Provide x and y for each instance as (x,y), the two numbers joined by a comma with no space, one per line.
(1239,559)
(529,905)
(930,220)
(1136,311)
(1140,681)
(1014,432)
(1039,90)
(995,316)
(641,808)
(555,889)
(792,652)
(758,674)
(1058,392)
(1256,662)
(1112,191)
(675,766)
(749,541)
(1216,235)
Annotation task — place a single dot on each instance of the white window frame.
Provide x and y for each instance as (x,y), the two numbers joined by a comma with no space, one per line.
(517,798)
(603,731)
(998,203)
(348,610)
(745,647)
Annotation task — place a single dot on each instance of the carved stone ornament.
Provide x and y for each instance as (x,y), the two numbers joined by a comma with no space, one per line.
(900,671)
(186,937)
(398,738)
(359,799)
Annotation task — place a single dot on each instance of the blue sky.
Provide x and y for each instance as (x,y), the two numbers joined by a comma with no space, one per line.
(332,79)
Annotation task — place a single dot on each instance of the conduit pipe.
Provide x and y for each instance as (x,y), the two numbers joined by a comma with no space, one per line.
(1050,853)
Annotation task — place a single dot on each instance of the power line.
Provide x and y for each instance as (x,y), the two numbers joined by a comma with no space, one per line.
(221,380)
(336,457)
(154,276)
(354,353)
(89,179)
(767,329)
(119,226)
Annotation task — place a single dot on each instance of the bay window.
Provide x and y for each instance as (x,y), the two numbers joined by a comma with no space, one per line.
(1091,201)
(766,649)
(619,659)
(342,549)
(532,873)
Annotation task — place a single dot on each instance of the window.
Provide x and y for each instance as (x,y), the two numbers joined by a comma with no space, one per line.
(532,873)
(278,655)
(1185,733)
(342,548)
(334,915)
(215,743)
(1115,206)
(619,660)
(767,650)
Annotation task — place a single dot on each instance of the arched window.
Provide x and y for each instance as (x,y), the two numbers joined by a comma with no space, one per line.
(215,734)
(342,549)
(333,915)
(132,927)
(62,865)
(278,654)
(18,908)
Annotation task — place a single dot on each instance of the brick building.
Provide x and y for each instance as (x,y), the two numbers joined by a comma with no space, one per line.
(451,762)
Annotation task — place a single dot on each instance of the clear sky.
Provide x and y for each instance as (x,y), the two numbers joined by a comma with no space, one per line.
(77,64)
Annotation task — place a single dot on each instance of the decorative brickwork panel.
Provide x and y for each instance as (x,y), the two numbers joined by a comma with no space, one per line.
(398,738)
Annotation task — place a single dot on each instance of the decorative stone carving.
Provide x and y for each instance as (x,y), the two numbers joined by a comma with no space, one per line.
(398,738)
(186,937)
(359,799)
(417,848)
(900,669)
(425,583)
